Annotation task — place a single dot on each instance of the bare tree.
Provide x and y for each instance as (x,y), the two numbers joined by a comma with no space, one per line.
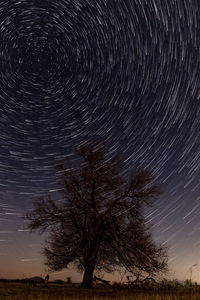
(99,226)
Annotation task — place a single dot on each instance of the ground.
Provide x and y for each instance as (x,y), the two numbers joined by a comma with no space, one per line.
(25,291)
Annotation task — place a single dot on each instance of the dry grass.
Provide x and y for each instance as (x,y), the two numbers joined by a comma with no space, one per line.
(22,291)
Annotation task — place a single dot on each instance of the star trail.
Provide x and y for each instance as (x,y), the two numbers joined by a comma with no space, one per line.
(125,72)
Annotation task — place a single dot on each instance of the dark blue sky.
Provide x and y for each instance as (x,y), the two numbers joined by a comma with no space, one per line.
(122,71)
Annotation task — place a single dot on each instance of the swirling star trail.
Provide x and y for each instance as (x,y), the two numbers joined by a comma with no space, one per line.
(89,70)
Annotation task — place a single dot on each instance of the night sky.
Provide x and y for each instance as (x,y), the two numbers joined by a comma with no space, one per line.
(122,71)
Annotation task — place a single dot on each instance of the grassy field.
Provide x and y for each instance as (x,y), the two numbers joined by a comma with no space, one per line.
(23,291)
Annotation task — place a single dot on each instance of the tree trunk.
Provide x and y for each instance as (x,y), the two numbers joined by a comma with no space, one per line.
(88,275)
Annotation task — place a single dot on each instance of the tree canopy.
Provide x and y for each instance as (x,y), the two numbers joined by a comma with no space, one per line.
(99,225)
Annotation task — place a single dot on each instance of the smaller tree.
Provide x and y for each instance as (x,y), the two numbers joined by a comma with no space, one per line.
(100,224)
(69,280)
(46,279)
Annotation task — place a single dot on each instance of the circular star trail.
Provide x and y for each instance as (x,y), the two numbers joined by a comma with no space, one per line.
(88,70)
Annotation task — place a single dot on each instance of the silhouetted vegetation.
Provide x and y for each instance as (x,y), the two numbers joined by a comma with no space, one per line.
(100,225)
